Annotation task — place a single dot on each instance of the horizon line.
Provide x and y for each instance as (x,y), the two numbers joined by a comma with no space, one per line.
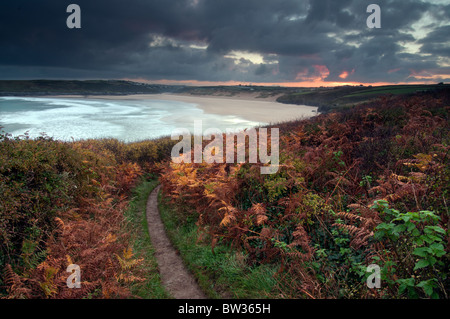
(197,83)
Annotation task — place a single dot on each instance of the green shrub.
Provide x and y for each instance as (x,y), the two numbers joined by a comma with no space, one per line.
(415,247)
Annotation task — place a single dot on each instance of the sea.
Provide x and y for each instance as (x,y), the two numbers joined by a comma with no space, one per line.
(71,119)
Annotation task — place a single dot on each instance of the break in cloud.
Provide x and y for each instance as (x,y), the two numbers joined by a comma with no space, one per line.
(286,42)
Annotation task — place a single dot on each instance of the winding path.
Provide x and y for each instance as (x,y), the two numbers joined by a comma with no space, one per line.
(179,282)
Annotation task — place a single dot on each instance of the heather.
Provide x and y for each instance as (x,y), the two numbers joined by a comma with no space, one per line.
(363,186)
(355,188)
(64,203)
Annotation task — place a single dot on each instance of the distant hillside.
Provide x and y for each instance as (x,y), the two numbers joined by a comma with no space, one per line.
(326,98)
(91,87)
(347,96)
(235,90)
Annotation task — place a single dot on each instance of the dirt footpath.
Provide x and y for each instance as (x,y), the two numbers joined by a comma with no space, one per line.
(179,282)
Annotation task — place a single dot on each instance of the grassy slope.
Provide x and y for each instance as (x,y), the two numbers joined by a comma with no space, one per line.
(328,99)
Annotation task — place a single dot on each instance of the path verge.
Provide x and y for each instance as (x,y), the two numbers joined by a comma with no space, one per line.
(179,282)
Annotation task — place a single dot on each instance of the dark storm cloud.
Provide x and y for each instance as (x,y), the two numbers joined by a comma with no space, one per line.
(437,42)
(194,40)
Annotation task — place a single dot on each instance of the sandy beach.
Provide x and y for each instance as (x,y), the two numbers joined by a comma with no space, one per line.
(263,110)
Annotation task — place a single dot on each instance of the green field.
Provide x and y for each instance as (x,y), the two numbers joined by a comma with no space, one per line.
(391,90)
(328,99)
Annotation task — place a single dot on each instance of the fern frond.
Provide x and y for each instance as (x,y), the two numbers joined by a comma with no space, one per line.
(352,230)
(10,277)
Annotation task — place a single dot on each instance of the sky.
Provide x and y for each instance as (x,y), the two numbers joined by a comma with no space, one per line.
(207,42)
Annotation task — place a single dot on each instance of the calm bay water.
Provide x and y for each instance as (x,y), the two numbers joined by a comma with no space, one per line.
(126,120)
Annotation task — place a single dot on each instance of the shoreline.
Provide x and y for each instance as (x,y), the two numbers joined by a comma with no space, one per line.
(247,107)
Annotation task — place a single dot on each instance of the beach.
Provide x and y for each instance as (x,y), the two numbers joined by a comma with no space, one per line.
(245,106)
(138,117)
